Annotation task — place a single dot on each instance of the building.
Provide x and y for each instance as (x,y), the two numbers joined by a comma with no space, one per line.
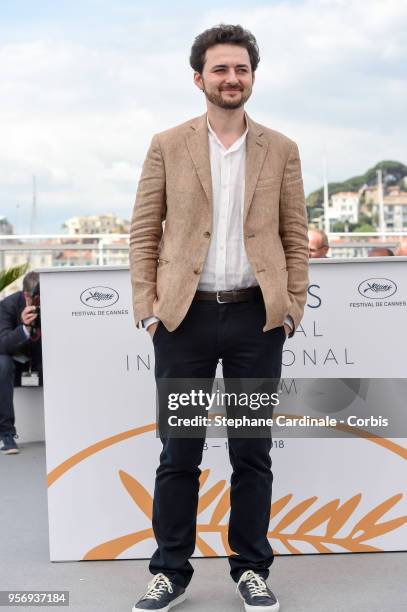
(75,257)
(104,251)
(370,194)
(343,206)
(97,224)
(38,255)
(394,206)
(5,227)
(395,210)
(115,252)
(18,254)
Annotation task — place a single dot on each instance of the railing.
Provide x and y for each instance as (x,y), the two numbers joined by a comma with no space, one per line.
(358,244)
(56,250)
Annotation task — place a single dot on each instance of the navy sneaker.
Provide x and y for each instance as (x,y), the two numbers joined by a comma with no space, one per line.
(162,594)
(255,593)
(8,445)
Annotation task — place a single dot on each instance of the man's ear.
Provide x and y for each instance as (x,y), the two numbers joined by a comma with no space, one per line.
(253,77)
(198,80)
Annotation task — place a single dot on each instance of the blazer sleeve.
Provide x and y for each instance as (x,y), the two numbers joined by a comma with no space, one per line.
(294,234)
(12,334)
(146,232)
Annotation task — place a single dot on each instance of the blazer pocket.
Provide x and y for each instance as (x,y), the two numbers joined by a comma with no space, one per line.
(268,183)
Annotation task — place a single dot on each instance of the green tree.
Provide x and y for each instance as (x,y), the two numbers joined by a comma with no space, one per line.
(364,219)
(365,227)
(393,173)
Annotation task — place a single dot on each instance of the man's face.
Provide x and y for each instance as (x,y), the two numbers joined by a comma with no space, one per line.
(315,246)
(227,77)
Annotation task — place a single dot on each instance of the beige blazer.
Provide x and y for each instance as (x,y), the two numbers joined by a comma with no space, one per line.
(175,186)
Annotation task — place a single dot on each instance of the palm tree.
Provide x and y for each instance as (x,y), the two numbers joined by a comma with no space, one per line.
(9,276)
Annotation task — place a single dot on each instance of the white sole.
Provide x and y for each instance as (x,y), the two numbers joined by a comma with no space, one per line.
(12,451)
(173,603)
(248,608)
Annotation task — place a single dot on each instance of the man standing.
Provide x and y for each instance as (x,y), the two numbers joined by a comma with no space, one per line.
(226,279)
(20,350)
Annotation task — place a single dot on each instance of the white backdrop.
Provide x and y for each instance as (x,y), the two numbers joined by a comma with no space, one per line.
(329,495)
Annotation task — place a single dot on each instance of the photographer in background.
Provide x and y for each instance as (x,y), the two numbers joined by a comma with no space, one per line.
(20,353)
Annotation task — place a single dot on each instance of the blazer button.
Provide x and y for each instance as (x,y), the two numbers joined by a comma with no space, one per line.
(197,271)
(207,234)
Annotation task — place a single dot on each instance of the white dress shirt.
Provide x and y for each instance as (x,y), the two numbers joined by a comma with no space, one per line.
(226,266)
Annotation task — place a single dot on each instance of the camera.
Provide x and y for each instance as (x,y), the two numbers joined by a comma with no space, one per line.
(35,297)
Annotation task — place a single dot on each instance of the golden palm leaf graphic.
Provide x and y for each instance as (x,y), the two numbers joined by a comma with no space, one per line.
(328,519)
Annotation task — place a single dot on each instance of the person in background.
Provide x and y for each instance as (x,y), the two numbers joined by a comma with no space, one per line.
(318,245)
(401,250)
(380,252)
(20,353)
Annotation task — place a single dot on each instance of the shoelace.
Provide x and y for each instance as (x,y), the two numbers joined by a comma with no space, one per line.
(255,583)
(158,586)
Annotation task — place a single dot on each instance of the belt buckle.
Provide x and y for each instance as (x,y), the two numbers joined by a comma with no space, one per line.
(219,300)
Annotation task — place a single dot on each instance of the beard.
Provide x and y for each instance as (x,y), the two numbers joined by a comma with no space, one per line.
(217,98)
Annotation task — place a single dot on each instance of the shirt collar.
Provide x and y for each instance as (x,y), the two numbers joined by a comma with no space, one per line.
(237,144)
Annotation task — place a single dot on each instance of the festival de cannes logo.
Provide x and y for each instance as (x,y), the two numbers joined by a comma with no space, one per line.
(377,288)
(349,524)
(99,297)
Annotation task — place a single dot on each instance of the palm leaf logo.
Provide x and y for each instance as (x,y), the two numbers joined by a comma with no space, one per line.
(328,519)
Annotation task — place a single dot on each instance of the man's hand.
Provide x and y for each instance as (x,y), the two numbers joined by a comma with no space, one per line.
(29,315)
(151,328)
(287,330)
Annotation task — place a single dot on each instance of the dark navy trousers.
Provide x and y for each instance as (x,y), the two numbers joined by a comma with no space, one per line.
(8,371)
(10,376)
(211,331)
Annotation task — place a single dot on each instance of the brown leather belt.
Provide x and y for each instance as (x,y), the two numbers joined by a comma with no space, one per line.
(251,294)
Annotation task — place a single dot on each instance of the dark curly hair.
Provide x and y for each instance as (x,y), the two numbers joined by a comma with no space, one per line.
(223,34)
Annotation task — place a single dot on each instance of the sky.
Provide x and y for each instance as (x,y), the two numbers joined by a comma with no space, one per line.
(84,86)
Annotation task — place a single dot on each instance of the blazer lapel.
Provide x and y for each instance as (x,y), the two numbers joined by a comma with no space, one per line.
(198,147)
(256,151)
